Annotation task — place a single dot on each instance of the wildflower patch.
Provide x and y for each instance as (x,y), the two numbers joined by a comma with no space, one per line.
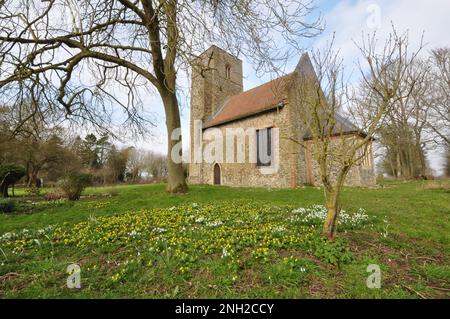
(229,230)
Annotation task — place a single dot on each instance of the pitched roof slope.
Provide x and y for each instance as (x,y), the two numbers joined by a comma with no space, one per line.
(341,126)
(259,99)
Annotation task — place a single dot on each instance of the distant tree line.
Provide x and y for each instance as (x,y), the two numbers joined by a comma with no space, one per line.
(36,151)
(420,121)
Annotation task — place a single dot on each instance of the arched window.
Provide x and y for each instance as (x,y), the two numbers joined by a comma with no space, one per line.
(228,71)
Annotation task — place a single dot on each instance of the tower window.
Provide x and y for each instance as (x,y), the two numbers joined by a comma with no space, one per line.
(228,71)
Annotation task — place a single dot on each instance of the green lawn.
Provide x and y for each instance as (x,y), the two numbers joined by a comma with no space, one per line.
(139,242)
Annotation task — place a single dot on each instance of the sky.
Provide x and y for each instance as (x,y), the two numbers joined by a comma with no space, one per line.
(348,20)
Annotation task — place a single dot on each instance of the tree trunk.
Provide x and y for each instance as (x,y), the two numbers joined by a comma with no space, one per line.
(333,209)
(4,186)
(4,190)
(176,182)
(422,161)
(33,180)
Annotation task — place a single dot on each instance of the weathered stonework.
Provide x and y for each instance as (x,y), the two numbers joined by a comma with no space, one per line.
(361,174)
(211,88)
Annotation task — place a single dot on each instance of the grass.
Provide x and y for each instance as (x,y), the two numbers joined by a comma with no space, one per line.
(171,254)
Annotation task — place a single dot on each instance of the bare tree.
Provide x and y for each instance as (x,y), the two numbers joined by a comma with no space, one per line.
(135,46)
(137,163)
(404,131)
(440,104)
(328,102)
(154,165)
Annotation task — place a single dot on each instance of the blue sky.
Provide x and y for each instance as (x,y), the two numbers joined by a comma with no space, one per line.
(348,20)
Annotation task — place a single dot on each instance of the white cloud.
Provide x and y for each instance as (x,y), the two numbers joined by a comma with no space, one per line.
(349,20)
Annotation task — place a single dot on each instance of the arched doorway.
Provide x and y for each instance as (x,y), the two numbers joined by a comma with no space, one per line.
(216,174)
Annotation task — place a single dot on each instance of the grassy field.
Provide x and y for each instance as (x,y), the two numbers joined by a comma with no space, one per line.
(139,242)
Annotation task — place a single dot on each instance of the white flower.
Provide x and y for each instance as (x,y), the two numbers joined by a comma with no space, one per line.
(8,236)
(160,230)
(316,214)
(225,253)
(278,230)
(133,233)
(214,224)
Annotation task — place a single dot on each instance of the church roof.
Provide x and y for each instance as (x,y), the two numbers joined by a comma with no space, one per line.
(270,96)
(341,126)
(262,98)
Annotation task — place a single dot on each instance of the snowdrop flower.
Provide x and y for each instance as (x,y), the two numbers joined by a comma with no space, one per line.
(133,233)
(225,253)
(214,224)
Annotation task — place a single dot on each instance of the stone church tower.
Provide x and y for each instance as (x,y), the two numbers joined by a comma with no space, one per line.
(216,76)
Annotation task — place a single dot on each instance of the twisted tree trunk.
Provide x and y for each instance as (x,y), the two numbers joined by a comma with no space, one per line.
(176,182)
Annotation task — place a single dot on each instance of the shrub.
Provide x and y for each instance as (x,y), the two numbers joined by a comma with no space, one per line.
(7,206)
(73,184)
(335,253)
(55,194)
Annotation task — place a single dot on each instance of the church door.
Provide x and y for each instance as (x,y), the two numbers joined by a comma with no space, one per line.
(216,174)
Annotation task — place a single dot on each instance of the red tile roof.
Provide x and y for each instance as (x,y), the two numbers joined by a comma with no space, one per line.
(259,99)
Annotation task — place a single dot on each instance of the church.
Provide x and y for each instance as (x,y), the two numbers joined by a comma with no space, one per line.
(266,114)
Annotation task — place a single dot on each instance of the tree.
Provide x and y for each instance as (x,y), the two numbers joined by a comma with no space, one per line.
(31,141)
(403,130)
(155,165)
(9,175)
(6,145)
(41,154)
(116,164)
(92,151)
(404,151)
(327,100)
(136,164)
(73,184)
(137,45)
(447,162)
(440,110)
